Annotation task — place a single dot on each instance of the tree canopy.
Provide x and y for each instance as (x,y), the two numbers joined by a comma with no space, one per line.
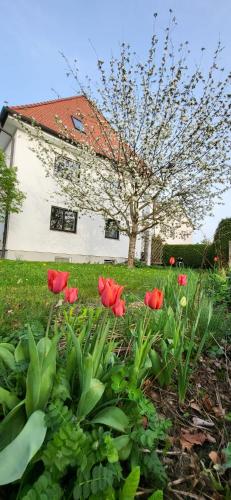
(166,128)
(11,197)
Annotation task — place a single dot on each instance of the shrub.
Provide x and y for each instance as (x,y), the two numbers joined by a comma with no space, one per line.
(222,237)
(195,256)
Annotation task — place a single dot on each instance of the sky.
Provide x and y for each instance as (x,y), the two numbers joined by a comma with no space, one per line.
(35,32)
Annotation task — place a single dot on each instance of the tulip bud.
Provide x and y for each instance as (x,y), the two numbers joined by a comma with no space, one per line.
(183,301)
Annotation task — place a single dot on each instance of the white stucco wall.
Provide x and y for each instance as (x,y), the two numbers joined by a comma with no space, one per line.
(29,234)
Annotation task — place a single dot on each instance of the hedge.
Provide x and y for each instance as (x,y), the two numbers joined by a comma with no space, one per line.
(222,238)
(198,255)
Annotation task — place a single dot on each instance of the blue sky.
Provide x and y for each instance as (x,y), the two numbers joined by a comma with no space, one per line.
(33,32)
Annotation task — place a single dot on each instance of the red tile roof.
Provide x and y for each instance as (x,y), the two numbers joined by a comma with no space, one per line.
(56,116)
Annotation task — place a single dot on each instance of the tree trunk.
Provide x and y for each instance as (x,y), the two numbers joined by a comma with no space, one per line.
(132,249)
(4,236)
(147,247)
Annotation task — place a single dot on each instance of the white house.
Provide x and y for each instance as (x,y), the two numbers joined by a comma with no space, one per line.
(46,230)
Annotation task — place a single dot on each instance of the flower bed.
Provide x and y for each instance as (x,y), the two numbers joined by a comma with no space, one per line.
(77,413)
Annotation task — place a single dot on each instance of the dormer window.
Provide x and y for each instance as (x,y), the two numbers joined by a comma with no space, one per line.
(78,124)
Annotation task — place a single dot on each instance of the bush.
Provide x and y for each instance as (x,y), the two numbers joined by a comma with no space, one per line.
(196,256)
(221,240)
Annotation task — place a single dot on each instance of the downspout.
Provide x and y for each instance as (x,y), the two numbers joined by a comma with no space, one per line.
(6,221)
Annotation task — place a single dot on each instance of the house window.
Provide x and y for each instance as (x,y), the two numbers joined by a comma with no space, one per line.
(78,124)
(63,220)
(65,167)
(111,229)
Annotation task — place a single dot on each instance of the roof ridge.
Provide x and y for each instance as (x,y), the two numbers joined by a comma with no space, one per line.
(42,103)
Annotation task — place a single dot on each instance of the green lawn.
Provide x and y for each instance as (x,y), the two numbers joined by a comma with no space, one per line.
(24,296)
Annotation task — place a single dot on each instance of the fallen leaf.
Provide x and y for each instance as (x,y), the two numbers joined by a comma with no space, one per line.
(207,403)
(59,303)
(217,496)
(210,438)
(218,411)
(154,396)
(195,406)
(214,457)
(200,422)
(189,439)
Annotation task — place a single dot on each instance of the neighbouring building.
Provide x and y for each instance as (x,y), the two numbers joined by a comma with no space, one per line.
(46,230)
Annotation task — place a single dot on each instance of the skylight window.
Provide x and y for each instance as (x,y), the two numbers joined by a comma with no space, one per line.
(78,124)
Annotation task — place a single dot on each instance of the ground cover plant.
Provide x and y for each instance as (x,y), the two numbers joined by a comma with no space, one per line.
(113,398)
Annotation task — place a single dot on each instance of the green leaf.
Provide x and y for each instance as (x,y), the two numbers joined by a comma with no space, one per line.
(33,380)
(87,372)
(131,484)
(8,346)
(7,357)
(227,453)
(90,398)
(123,445)
(157,495)
(12,424)
(47,359)
(41,372)
(21,352)
(7,398)
(16,456)
(112,417)
(79,357)
(155,359)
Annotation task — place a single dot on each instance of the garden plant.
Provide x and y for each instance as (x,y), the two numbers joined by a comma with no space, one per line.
(77,419)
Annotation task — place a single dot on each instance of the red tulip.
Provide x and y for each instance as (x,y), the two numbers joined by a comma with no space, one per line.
(71,295)
(119,308)
(216,258)
(154,299)
(182,279)
(57,280)
(111,293)
(102,282)
(172,261)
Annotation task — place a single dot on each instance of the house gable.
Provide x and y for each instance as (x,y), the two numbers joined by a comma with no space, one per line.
(58,117)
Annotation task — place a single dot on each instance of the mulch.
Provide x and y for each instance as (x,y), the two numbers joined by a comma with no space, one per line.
(201,429)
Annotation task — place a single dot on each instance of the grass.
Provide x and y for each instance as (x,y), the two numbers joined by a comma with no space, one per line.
(24,296)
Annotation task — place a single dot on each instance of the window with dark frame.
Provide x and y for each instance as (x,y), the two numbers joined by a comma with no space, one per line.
(65,167)
(63,220)
(78,124)
(111,229)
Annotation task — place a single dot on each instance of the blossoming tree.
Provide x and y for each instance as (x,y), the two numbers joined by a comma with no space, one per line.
(166,141)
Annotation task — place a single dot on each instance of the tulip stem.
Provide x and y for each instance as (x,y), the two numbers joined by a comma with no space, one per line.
(49,319)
